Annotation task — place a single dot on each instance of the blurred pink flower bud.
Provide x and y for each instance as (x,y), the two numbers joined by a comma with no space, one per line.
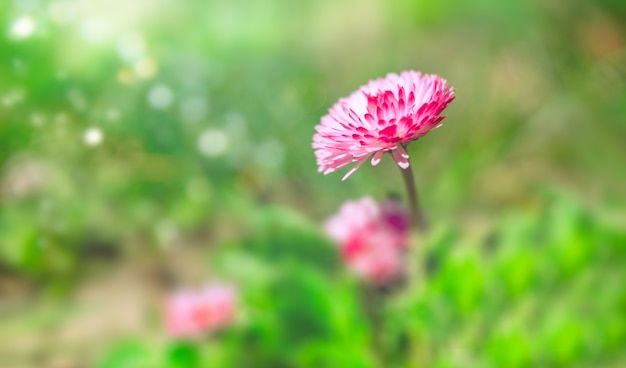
(372,238)
(191,313)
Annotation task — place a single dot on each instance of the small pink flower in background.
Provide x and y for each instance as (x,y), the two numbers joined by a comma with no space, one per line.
(191,313)
(384,115)
(372,238)
(396,216)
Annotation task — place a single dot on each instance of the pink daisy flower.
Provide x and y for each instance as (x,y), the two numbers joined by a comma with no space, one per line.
(372,238)
(190,313)
(384,115)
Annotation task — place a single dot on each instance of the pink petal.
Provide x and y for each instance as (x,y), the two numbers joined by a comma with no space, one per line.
(376,118)
(377,157)
(353,169)
(402,161)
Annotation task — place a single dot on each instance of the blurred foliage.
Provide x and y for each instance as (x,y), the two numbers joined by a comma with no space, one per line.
(118,126)
(131,129)
(544,289)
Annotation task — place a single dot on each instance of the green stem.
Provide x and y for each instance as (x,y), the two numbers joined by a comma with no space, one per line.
(418,217)
(373,304)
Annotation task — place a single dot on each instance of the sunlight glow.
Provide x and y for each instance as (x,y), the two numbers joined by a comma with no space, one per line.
(93,136)
(95,29)
(22,28)
(61,11)
(131,47)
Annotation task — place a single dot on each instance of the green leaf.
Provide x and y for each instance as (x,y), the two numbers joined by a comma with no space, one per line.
(126,354)
(183,355)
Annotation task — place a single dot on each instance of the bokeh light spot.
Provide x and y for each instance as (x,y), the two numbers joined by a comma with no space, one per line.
(112,114)
(22,28)
(125,76)
(61,11)
(213,142)
(12,98)
(160,97)
(93,136)
(95,29)
(37,119)
(166,232)
(145,68)
(131,47)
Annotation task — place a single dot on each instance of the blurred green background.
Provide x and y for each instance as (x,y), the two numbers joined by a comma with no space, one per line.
(146,144)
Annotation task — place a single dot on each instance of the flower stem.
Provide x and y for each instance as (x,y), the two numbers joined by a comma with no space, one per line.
(373,303)
(418,218)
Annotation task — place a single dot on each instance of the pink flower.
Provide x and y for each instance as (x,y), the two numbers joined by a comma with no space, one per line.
(372,238)
(190,313)
(384,115)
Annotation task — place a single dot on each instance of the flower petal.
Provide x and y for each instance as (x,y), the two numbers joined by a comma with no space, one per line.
(379,117)
(354,169)
(376,158)
(402,161)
